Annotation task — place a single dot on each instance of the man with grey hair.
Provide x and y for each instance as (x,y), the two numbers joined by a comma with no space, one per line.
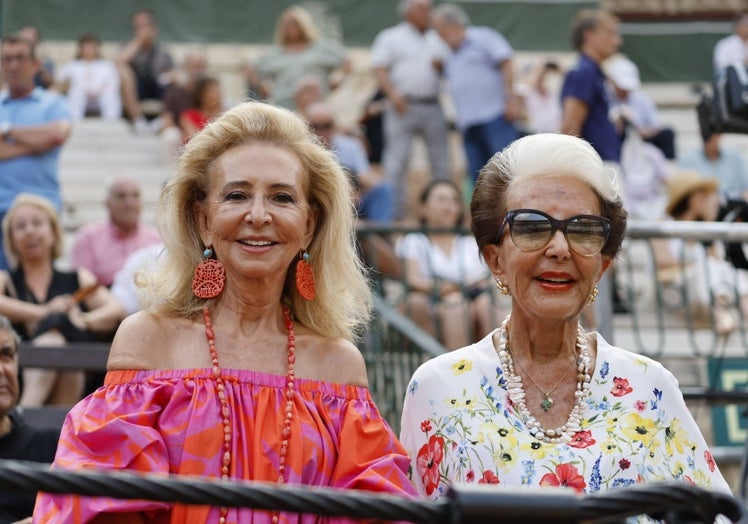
(407,59)
(481,79)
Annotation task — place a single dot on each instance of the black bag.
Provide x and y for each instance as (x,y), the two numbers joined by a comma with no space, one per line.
(67,329)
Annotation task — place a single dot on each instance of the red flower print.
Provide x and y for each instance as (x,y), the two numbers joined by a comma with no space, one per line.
(426,426)
(620,387)
(470,477)
(582,439)
(624,464)
(709,460)
(689,480)
(566,476)
(640,405)
(427,462)
(489,478)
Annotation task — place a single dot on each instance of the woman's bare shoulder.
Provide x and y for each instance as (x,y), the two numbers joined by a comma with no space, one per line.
(335,360)
(137,337)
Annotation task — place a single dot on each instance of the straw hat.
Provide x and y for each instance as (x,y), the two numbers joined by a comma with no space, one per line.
(684,183)
(623,73)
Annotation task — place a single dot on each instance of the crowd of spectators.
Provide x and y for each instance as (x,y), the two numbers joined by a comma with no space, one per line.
(431,55)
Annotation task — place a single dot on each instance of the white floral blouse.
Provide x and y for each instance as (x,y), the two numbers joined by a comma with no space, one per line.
(459,426)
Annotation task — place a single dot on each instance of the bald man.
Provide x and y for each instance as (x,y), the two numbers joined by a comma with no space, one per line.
(102,247)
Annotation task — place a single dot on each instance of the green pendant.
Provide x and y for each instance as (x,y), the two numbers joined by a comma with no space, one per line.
(547,403)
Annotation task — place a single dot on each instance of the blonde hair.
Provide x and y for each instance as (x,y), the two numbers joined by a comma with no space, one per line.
(343,302)
(39,202)
(305,21)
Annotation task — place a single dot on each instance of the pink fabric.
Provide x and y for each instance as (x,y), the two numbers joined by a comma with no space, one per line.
(102,248)
(169,422)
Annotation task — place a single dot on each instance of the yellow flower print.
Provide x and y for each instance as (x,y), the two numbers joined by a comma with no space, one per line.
(462,366)
(609,446)
(498,435)
(678,469)
(676,438)
(461,403)
(535,449)
(639,428)
(702,479)
(505,459)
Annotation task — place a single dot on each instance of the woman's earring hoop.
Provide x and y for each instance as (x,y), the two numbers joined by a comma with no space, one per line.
(503,288)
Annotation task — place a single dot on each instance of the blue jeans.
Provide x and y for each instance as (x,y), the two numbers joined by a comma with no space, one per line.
(481,141)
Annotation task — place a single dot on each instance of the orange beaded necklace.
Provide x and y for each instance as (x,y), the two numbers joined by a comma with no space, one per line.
(225,411)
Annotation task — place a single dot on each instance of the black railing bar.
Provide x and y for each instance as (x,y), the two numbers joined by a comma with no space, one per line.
(407,327)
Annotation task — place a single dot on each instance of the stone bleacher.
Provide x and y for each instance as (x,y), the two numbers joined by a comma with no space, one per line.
(97,152)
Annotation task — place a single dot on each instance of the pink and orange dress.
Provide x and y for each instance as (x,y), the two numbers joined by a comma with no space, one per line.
(170,422)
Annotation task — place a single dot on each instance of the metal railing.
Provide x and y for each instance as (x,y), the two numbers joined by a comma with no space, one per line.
(675,502)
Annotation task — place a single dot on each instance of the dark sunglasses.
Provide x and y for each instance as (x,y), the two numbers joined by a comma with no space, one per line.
(531,230)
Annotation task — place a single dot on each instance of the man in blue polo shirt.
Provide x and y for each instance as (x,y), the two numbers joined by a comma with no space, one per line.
(34,124)
(584,97)
(481,80)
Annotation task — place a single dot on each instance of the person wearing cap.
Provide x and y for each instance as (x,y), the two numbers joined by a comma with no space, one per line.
(711,280)
(636,107)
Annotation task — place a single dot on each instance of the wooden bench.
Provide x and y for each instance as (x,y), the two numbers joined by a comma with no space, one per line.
(85,356)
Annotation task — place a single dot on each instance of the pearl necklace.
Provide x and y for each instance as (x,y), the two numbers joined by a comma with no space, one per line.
(517,392)
(225,410)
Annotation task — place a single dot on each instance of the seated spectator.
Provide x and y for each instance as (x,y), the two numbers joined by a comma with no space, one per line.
(712,282)
(179,94)
(103,246)
(45,75)
(299,51)
(376,200)
(18,440)
(206,105)
(635,107)
(48,306)
(449,289)
(145,68)
(91,83)
(726,165)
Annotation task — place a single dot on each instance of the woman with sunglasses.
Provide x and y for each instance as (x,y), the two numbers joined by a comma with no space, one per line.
(540,401)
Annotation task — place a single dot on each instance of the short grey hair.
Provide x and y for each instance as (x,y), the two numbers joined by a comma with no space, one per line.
(451,14)
(7,326)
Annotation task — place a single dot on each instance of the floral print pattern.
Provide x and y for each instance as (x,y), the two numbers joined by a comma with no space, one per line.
(459,426)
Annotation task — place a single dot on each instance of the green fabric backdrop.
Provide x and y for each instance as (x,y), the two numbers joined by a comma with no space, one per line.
(664,52)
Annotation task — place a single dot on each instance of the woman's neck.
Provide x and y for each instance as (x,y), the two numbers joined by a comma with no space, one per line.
(544,343)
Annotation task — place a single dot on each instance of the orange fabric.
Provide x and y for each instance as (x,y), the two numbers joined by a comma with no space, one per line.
(169,422)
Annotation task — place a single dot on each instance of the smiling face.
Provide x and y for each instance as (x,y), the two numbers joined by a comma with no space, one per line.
(552,282)
(257,216)
(32,236)
(9,388)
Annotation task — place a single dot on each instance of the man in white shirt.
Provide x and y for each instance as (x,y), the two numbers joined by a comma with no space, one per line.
(407,60)
(734,48)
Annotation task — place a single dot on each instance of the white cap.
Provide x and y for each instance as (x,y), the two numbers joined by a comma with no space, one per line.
(623,73)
